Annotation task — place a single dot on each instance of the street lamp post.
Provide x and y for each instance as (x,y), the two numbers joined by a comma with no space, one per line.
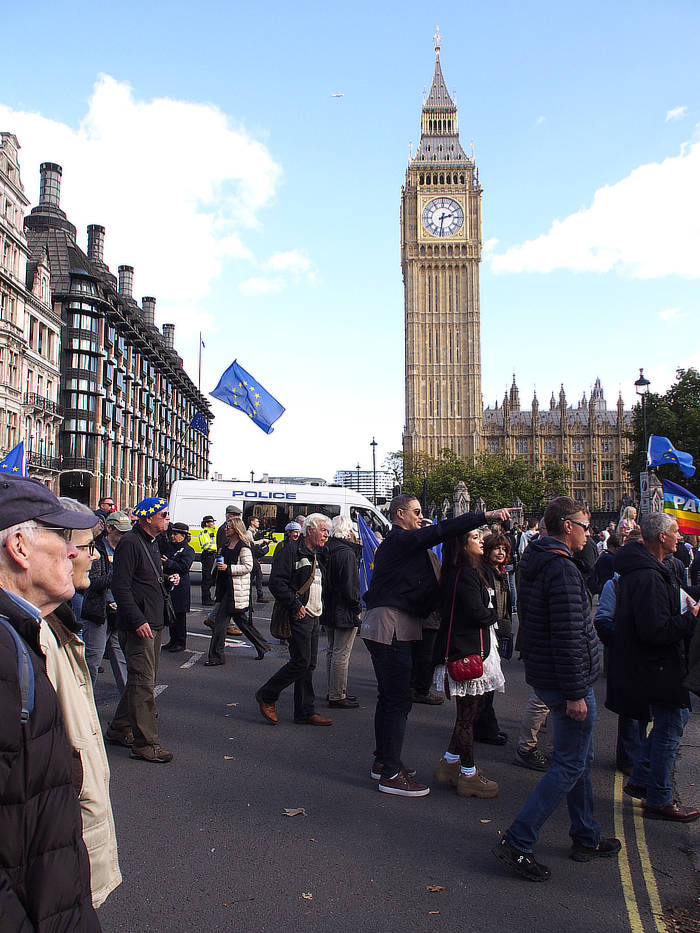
(641,387)
(373,445)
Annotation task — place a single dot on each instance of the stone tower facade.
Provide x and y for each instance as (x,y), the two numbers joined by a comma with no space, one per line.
(440,255)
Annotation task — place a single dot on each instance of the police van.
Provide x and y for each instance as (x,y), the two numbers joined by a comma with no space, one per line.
(274,504)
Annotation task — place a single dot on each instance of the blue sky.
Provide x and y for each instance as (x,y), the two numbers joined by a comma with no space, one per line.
(263,211)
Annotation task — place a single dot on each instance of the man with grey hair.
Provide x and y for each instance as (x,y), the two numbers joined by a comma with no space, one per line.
(648,665)
(296,582)
(43,861)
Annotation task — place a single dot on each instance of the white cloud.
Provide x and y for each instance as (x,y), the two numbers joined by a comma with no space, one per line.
(281,269)
(176,184)
(669,313)
(540,120)
(645,226)
(677,113)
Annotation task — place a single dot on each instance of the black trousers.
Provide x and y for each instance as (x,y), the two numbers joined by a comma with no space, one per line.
(392,667)
(299,670)
(422,657)
(256,577)
(208,558)
(178,631)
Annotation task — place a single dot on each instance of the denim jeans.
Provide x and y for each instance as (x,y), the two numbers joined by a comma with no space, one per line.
(102,640)
(340,642)
(631,734)
(392,666)
(653,768)
(569,776)
(299,670)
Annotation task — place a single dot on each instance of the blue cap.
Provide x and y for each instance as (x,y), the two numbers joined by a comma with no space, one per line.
(149,507)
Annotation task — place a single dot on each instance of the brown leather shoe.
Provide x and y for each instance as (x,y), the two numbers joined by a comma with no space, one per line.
(268,710)
(314,720)
(232,630)
(673,812)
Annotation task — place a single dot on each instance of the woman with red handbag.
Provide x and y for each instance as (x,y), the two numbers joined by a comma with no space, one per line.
(471,667)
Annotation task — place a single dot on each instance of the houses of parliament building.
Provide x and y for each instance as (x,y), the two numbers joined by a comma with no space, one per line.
(440,254)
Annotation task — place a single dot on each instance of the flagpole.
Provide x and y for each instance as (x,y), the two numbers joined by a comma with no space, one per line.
(199,374)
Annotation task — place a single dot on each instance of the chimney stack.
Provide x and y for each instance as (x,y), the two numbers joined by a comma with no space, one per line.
(149,310)
(169,335)
(96,242)
(50,184)
(126,281)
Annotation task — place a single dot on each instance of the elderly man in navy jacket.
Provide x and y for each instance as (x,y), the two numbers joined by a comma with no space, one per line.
(403,592)
(562,662)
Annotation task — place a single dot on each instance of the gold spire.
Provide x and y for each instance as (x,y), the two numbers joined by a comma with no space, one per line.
(436,40)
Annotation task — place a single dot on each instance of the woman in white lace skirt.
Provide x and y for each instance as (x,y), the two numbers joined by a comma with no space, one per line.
(468,606)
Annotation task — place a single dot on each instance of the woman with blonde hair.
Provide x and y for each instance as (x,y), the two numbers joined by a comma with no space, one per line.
(234,565)
(627,522)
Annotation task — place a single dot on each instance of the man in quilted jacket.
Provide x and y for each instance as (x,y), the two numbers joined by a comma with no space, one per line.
(561,653)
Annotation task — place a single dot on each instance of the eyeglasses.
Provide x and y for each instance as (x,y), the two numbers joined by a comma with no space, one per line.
(584,525)
(413,511)
(65,533)
(90,548)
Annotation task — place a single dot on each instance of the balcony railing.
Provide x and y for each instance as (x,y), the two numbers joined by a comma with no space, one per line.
(78,463)
(43,461)
(45,404)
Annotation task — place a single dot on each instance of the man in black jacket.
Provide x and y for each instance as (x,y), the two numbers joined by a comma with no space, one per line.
(296,582)
(648,662)
(44,869)
(562,663)
(138,587)
(402,594)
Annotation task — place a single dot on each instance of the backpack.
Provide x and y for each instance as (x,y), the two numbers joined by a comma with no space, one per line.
(25,672)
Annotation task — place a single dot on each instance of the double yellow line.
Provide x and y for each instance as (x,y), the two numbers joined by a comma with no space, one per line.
(628,889)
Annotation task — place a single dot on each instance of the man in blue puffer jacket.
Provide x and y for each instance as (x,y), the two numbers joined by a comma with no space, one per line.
(561,653)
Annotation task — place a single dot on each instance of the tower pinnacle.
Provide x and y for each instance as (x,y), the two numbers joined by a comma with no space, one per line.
(436,40)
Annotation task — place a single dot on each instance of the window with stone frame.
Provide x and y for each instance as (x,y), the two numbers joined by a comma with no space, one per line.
(579,469)
(521,445)
(609,500)
(607,470)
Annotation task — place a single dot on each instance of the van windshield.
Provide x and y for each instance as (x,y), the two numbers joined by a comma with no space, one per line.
(274,517)
(372,519)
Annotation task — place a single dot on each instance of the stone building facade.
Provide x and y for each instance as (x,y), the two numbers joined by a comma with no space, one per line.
(127,400)
(440,254)
(30,333)
(587,438)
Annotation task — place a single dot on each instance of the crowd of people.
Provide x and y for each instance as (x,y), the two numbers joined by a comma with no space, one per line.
(78,586)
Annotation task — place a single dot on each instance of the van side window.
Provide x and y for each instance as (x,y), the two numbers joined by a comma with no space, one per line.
(370,518)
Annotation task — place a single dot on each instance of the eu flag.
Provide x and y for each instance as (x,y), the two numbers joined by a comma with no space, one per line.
(239,390)
(370,544)
(199,423)
(15,462)
(661,452)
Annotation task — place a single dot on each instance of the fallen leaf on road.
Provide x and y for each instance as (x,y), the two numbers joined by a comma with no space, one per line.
(307,895)
(430,912)
(232,704)
(228,758)
(294,811)
(312,839)
(484,821)
(434,887)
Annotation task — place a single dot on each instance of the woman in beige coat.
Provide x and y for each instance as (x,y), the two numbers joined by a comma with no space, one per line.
(68,672)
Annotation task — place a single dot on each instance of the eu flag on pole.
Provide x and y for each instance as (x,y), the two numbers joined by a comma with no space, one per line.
(661,452)
(200,423)
(239,390)
(15,462)
(370,543)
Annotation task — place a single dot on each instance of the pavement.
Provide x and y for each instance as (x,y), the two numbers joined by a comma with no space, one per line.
(205,844)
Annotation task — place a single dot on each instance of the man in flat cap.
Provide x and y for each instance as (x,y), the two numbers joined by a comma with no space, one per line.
(44,869)
(139,590)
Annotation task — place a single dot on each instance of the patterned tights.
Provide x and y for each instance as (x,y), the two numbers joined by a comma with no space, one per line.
(462,741)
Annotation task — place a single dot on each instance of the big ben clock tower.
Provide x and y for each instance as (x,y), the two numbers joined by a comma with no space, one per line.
(440,255)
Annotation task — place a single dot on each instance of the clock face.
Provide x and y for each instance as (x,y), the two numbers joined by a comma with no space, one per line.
(443,217)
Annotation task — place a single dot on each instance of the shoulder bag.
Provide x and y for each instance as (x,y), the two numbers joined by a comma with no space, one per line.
(168,611)
(280,625)
(468,668)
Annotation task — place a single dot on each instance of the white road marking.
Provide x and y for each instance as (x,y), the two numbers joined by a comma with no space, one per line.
(159,689)
(191,661)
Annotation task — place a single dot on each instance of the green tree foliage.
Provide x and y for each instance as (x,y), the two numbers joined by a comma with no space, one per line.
(490,477)
(675,415)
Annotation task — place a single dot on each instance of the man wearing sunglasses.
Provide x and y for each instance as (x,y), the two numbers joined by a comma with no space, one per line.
(402,594)
(138,586)
(561,653)
(39,809)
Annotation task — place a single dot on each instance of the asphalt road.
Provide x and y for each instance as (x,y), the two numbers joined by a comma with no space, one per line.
(205,846)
